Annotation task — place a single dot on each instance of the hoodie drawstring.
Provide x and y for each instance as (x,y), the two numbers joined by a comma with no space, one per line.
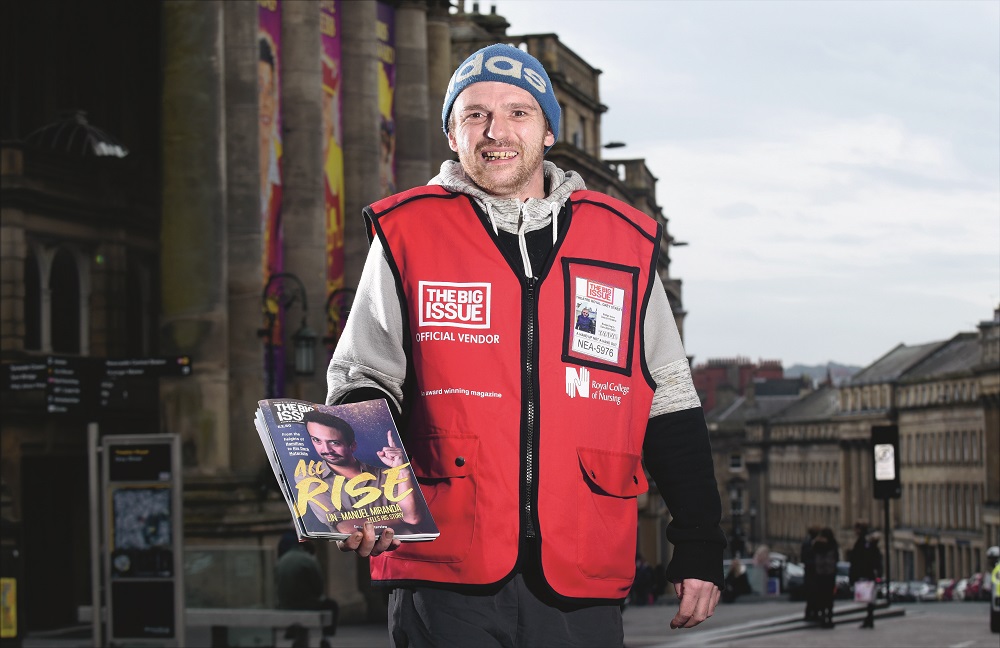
(493,221)
(522,242)
(555,207)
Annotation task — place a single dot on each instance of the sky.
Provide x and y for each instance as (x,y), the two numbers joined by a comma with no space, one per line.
(834,166)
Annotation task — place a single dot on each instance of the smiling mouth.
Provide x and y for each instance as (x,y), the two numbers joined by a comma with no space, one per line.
(499,155)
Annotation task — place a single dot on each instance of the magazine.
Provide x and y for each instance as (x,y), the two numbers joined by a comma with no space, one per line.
(339,466)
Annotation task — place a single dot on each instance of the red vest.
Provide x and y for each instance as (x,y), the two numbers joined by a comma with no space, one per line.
(528,399)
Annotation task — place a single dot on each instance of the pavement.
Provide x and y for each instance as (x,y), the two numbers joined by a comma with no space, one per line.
(751,622)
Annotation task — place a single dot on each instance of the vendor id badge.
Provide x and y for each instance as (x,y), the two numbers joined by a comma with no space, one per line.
(601,314)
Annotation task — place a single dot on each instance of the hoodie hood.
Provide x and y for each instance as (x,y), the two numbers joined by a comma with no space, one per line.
(509,214)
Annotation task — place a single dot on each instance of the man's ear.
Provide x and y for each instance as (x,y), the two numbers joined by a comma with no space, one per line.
(452,142)
(550,139)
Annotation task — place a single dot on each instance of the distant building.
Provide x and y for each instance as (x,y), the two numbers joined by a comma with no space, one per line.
(727,429)
(811,462)
(719,381)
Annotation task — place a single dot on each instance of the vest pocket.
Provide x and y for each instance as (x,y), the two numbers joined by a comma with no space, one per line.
(444,467)
(608,512)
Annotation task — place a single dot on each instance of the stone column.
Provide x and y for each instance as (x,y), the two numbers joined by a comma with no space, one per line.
(439,69)
(361,143)
(193,231)
(242,222)
(360,122)
(412,155)
(303,197)
(13,252)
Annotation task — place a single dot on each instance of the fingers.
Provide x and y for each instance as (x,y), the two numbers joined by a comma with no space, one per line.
(365,543)
(698,601)
(388,434)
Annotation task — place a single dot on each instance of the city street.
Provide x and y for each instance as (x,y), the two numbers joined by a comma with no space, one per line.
(751,622)
(777,622)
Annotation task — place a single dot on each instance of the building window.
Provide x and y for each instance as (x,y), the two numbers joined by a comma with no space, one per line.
(64,284)
(138,326)
(736,461)
(32,304)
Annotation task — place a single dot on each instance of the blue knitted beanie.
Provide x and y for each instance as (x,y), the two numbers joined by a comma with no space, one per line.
(506,64)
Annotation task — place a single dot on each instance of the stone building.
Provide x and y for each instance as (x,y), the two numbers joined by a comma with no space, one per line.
(146,240)
(793,460)
(811,462)
(719,381)
(727,426)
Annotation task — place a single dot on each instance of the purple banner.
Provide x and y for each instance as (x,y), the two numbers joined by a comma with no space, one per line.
(270,152)
(385,42)
(333,162)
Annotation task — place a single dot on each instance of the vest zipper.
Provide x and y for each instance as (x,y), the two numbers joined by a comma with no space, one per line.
(528,523)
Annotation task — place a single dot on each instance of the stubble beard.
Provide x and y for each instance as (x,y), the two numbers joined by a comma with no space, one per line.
(507,183)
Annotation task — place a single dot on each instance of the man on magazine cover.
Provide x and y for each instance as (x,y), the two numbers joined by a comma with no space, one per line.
(336,443)
(465,320)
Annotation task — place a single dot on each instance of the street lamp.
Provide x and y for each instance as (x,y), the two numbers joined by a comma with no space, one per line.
(276,299)
(736,513)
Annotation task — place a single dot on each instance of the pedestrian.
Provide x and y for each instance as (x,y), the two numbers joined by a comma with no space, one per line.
(809,572)
(526,431)
(300,586)
(642,586)
(737,581)
(866,567)
(826,553)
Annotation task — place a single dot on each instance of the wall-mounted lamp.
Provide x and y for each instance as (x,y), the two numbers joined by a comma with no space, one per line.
(275,299)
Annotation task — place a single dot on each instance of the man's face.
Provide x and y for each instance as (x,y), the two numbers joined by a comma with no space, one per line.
(500,135)
(330,445)
(265,115)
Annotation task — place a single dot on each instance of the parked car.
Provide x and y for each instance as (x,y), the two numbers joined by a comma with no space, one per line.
(899,591)
(958,594)
(795,581)
(923,591)
(944,588)
(844,580)
(974,590)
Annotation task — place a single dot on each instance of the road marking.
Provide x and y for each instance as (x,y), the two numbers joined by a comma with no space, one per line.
(964,644)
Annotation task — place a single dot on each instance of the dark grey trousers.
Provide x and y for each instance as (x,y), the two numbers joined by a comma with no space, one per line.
(512,618)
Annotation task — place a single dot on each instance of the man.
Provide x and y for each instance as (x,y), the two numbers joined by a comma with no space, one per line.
(806,555)
(335,442)
(866,565)
(464,320)
(299,586)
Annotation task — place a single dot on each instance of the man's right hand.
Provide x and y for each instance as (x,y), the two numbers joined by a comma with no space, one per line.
(365,544)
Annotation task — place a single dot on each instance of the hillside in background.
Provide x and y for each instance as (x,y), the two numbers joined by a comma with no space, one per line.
(838,373)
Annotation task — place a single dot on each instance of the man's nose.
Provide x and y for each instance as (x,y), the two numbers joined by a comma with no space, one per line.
(498,129)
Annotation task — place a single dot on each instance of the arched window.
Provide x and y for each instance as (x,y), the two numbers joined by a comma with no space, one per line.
(32,304)
(64,284)
(137,324)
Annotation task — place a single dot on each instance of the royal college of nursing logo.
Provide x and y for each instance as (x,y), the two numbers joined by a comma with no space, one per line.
(578,383)
(460,305)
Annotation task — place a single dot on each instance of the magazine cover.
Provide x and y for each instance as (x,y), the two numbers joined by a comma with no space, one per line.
(340,465)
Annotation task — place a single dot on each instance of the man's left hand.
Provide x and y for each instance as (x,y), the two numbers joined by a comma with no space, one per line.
(391,455)
(698,601)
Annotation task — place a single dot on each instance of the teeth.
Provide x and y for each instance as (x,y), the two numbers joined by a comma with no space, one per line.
(499,155)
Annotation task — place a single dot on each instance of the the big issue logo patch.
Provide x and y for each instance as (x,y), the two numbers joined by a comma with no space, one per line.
(578,383)
(460,305)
